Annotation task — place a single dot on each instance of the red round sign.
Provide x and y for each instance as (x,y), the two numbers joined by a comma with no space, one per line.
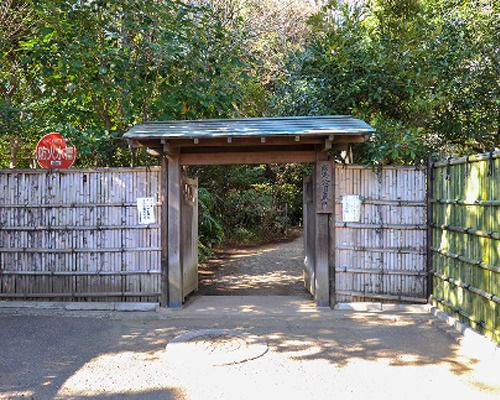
(53,152)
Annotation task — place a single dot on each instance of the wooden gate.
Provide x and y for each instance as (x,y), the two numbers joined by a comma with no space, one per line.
(383,255)
(309,242)
(189,235)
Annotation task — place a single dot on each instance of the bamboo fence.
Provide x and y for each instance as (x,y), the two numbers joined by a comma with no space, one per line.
(74,235)
(466,240)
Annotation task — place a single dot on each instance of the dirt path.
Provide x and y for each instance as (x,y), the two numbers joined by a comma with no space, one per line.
(270,269)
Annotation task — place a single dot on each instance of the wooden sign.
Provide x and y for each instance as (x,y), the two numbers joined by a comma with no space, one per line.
(324,187)
(52,151)
(146,210)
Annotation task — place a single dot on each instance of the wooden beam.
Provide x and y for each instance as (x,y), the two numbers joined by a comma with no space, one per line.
(175,283)
(170,149)
(164,231)
(429,239)
(332,246)
(261,157)
(153,152)
(349,139)
(321,156)
(322,242)
(247,141)
(250,149)
(322,276)
(328,145)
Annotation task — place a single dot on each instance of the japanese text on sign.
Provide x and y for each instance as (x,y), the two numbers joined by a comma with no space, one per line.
(351,208)
(324,196)
(146,210)
(53,151)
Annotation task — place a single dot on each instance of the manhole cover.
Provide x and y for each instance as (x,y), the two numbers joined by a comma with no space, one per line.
(216,347)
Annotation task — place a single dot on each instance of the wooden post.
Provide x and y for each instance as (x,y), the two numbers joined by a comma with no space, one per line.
(430,183)
(164,230)
(332,244)
(175,283)
(322,238)
(309,220)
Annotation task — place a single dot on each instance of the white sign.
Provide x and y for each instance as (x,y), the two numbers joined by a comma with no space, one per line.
(351,208)
(146,210)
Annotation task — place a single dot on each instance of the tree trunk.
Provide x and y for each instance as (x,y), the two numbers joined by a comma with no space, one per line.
(14,150)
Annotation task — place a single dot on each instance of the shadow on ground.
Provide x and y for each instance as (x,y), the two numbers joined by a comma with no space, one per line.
(44,357)
(273,269)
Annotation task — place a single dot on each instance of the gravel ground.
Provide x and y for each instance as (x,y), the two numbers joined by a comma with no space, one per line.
(271,270)
(311,354)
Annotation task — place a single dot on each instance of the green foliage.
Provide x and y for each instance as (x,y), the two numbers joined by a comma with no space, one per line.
(249,203)
(16,122)
(97,68)
(424,73)
(210,231)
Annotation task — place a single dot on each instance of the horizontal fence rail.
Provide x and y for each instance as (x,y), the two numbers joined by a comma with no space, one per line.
(74,234)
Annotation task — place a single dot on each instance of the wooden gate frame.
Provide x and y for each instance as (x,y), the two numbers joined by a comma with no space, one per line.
(324,204)
(242,141)
(172,273)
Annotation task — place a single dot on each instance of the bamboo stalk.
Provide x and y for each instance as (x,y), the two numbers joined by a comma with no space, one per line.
(81,250)
(355,225)
(461,202)
(401,203)
(77,227)
(466,260)
(70,205)
(382,296)
(469,231)
(346,270)
(466,286)
(75,295)
(102,170)
(429,212)
(78,273)
(469,159)
(385,167)
(466,315)
(397,250)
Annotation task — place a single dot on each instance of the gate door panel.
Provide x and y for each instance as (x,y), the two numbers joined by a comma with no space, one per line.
(189,235)
(309,234)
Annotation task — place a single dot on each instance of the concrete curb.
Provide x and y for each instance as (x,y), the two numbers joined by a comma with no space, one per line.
(80,306)
(380,307)
(37,305)
(464,334)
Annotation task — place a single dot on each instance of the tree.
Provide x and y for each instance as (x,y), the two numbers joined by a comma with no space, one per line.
(424,73)
(16,21)
(93,69)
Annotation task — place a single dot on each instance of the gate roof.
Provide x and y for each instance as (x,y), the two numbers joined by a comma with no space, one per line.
(249,140)
(244,127)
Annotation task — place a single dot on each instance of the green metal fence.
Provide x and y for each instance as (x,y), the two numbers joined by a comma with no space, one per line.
(465,229)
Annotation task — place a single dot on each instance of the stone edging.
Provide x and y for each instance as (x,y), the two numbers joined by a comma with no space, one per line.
(80,306)
(464,334)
